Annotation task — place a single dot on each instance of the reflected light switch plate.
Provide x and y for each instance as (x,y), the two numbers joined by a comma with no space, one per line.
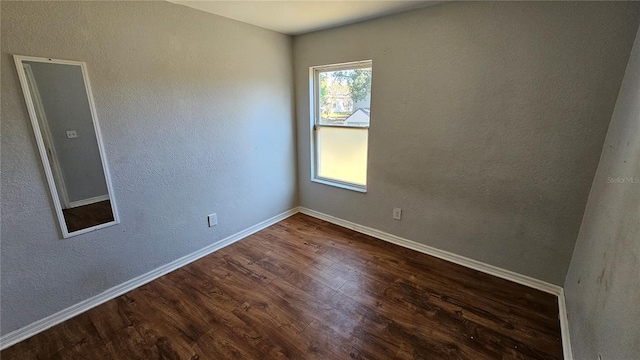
(72,134)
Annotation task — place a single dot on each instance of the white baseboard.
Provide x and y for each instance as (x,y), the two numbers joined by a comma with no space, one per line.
(464,261)
(564,327)
(88,201)
(85,305)
(74,310)
(441,254)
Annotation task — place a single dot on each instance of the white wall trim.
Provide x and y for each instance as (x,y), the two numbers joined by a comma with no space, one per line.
(88,201)
(466,262)
(36,327)
(441,254)
(77,309)
(564,326)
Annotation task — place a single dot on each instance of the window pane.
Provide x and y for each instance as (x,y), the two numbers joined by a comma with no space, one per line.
(345,97)
(342,154)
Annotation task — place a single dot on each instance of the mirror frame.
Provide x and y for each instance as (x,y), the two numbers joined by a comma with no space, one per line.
(41,147)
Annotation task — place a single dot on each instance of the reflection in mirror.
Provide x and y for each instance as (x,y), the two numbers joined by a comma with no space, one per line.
(61,110)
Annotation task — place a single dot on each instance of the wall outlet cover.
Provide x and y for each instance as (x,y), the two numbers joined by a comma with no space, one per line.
(212,219)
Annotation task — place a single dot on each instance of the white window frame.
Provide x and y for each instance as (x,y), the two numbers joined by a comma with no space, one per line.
(314,100)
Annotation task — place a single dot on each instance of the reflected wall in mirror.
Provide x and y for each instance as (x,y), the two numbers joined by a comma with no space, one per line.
(61,108)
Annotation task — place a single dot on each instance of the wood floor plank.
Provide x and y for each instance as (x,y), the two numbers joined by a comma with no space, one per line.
(223,320)
(108,319)
(315,305)
(282,334)
(155,328)
(128,344)
(225,344)
(185,316)
(204,282)
(258,258)
(300,267)
(93,348)
(307,289)
(66,335)
(19,351)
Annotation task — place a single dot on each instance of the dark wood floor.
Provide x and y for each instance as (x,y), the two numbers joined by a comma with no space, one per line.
(82,217)
(307,289)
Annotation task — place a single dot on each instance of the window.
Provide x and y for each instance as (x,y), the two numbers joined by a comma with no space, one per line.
(341,110)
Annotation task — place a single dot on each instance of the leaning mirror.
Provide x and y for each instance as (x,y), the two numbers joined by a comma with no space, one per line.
(62,112)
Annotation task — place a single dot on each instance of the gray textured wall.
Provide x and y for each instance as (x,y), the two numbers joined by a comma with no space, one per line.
(196,116)
(487,122)
(66,106)
(603,284)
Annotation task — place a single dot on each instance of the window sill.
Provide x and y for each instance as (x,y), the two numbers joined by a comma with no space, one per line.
(340,185)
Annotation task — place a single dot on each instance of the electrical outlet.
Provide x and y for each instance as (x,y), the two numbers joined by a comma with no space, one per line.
(72,134)
(212,219)
(397,213)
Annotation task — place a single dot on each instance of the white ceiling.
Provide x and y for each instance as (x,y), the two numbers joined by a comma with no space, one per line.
(296,17)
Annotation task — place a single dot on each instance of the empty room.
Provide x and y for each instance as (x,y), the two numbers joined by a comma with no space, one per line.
(320,180)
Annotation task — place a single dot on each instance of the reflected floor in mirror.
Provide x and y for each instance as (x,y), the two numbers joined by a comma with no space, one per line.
(82,217)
